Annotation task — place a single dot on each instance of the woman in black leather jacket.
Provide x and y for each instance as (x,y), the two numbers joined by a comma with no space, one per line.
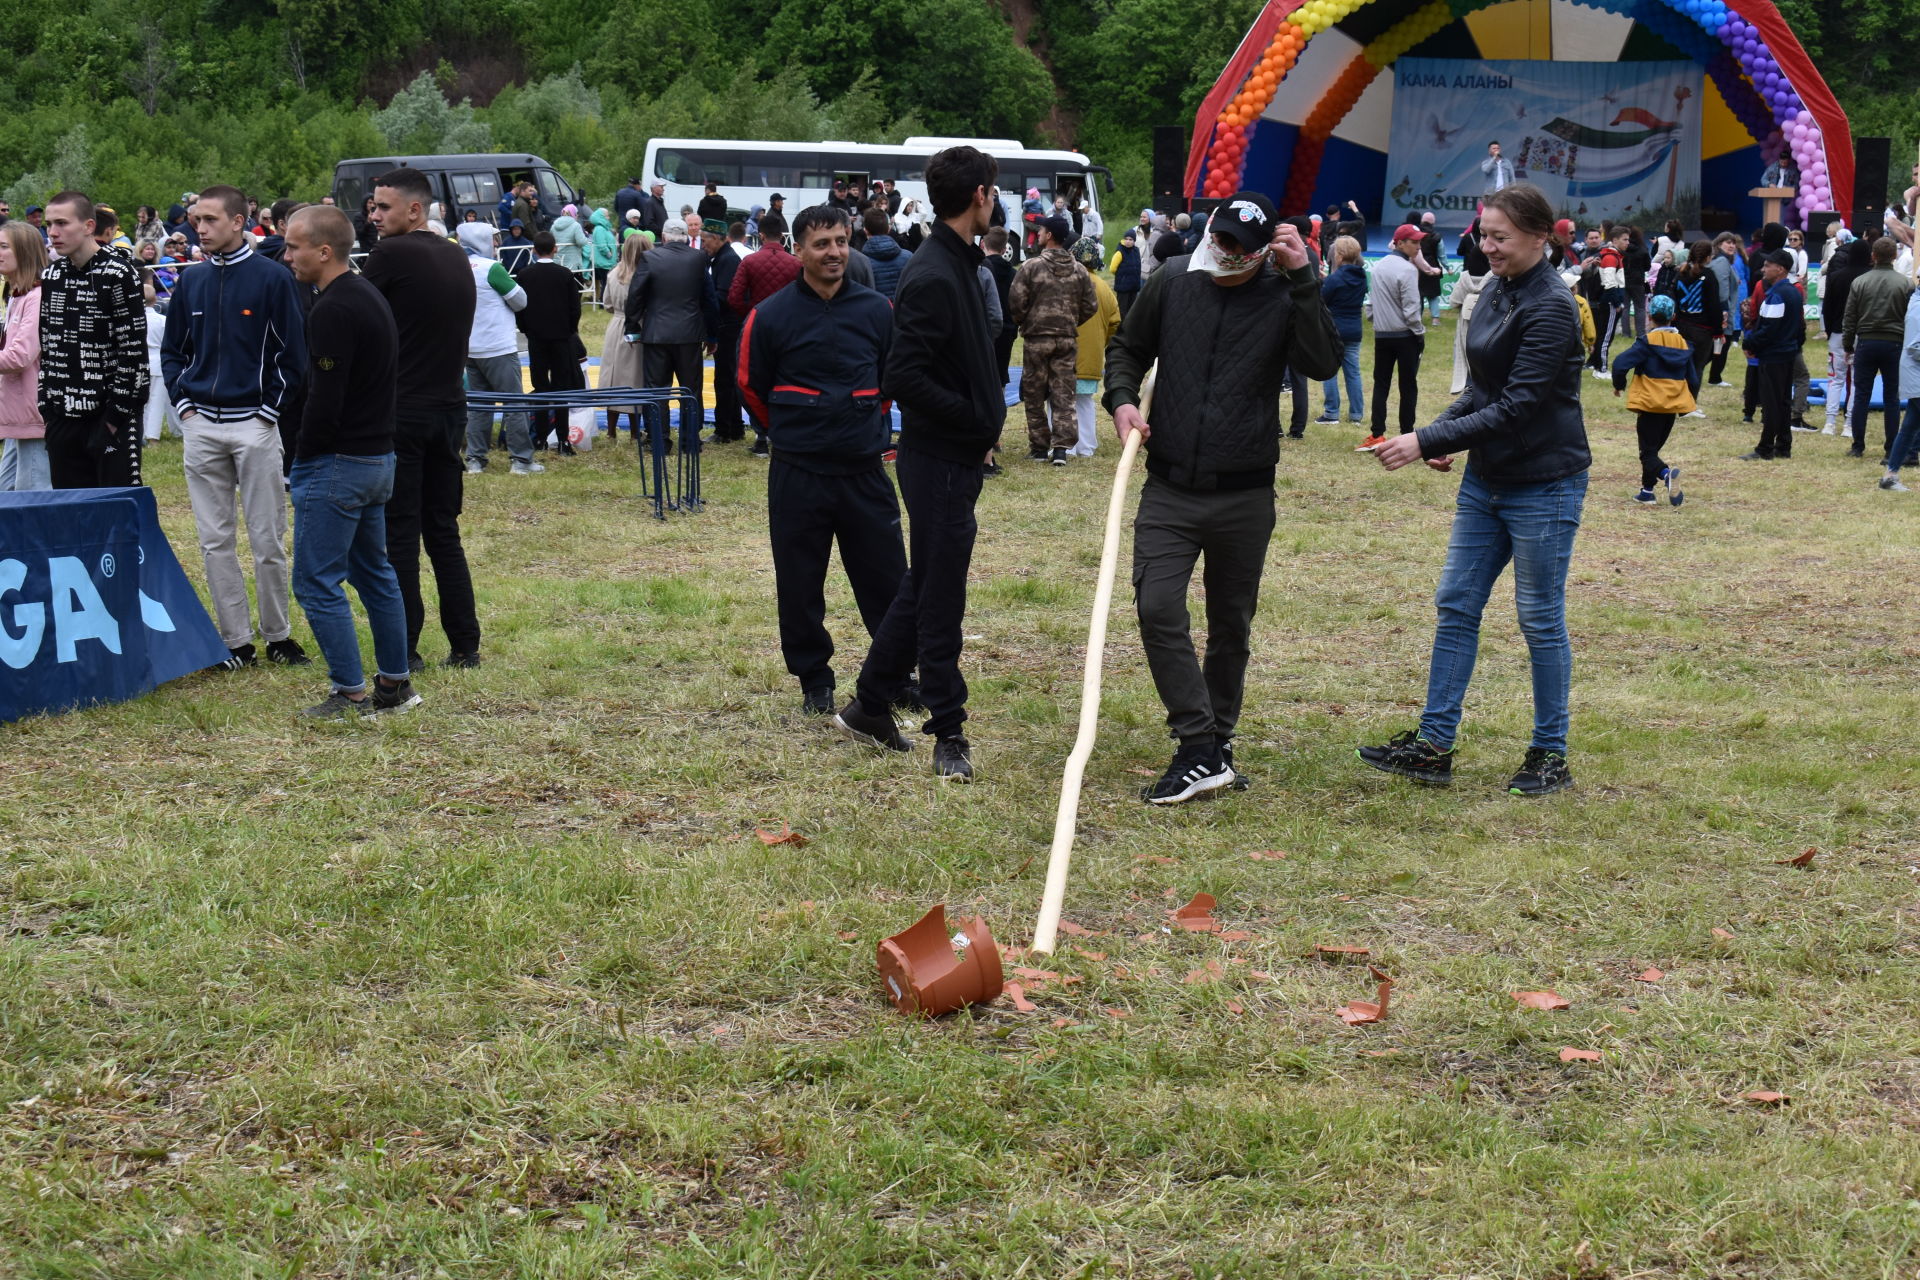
(1520,499)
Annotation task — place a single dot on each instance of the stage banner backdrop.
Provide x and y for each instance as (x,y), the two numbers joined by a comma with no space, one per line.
(94,607)
(1603,139)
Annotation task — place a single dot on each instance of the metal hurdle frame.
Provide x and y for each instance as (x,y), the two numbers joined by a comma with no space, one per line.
(675,488)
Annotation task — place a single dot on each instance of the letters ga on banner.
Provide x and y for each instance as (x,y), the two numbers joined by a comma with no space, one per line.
(1614,140)
(93,605)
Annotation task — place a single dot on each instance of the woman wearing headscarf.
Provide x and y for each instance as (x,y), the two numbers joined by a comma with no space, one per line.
(1520,498)
(570,243)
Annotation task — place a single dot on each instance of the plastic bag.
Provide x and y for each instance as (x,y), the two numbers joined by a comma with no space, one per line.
(580,420)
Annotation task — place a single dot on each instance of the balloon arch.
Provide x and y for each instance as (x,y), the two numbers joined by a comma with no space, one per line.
(1298,111)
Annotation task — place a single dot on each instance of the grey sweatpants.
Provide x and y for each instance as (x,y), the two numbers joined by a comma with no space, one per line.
(1172,529)
(225,460)
(496,373)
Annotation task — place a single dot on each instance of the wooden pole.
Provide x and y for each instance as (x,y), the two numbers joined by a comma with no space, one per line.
(1067,816)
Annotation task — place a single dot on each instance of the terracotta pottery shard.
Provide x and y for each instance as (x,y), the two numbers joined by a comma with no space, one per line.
(1234,1006)
(1802,860)
(1018,994)
(1767,1097)
(785,835)
(1335,949)
(923,974)
(1119,1013)
(1267,855)
(1073,930)
(1649,975)
(1212,971)
(1723,935)
(1358,1012)
(1579,1055)
(1043,975)
(1197,915)
(1063,1022)
(1235,935)
(1540,1000)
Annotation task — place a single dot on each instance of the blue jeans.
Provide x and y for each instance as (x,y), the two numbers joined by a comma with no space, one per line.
(1350,370)
(23,466)
(1908,440)
(340,535)
(1531,525)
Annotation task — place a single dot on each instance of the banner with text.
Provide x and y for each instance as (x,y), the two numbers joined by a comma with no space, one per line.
(1602,139)
(93,604)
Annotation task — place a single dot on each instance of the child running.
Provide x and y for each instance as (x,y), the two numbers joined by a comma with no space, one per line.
(1665,383)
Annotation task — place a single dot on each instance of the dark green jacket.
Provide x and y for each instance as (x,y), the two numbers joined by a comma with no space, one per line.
(1877,307)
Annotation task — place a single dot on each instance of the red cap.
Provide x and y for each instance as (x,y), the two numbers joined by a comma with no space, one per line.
(1407,231)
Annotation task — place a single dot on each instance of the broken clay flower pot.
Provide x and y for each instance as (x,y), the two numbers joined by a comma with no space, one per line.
(924,973)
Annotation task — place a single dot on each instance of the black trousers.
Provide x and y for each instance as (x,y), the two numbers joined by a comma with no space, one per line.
(82,453)
(1653,430)
(728,423)
(1300,386)
(677,364)
(1699,345)
(1172,529)
(1401,353)
(922,625)
(1775,382)
(1872,357)
(806,514)
(429,476)
(1126,300)
(1717,371)
(551,366)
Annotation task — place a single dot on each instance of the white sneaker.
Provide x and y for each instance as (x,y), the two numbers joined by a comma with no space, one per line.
(1892,482)
(1603,375)
(527,468)
(1727,385)
(1698,413)
(475,468)
(1827,430)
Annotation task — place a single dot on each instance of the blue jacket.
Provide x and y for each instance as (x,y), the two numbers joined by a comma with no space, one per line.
(889,260)
(810,372)
(1343,291)
(236,338)
(1126,269)
(1668,380)
(1780,325)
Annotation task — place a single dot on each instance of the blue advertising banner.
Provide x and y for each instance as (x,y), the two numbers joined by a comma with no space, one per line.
(93,605)
(1603,139)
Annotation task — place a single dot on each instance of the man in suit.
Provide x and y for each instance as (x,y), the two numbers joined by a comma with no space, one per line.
(672,311)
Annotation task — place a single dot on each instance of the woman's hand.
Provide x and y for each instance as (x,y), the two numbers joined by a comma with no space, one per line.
(1398,452)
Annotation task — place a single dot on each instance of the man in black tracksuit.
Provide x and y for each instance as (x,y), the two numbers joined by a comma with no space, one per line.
(551,321)
(1225,337)
(943,375)
(812,358)
(722,262)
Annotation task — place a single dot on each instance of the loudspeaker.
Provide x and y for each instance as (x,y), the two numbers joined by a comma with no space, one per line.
(1819,226)
(1169,168)
(1871,157)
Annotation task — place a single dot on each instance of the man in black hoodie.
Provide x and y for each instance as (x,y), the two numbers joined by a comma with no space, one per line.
(1211,454)
(942,374)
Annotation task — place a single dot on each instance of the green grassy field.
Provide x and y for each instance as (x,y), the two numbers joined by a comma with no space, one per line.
(509,987)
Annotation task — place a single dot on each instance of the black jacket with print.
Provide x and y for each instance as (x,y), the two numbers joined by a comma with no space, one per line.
(93,339)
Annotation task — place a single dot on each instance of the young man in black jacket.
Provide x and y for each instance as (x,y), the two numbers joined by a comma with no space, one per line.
(429,289)
(1211,454)
(812,358)
(551,321)
(343,471)
(943,375)
(93,354)
(718,240)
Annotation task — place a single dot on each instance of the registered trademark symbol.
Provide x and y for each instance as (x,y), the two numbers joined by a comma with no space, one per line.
(106,565)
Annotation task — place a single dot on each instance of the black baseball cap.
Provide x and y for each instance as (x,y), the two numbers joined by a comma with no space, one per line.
(1781,258)
(1247,217)
(775,196)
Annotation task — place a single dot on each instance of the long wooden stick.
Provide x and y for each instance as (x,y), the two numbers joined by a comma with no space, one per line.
(1068,815)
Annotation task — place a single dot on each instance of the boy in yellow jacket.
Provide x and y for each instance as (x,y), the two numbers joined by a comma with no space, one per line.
(1665,382)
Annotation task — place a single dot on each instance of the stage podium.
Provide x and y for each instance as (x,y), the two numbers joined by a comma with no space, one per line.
(1771,199)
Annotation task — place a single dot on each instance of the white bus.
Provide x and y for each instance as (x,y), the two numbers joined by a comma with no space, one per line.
(747,173)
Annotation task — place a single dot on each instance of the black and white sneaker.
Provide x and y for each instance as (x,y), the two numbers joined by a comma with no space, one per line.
(338,706)
(1058,457)
(397,699)
(1411,756)
(288,653)
(245,656)
(1195,770)
(1542,773)
(817,701)
(1037,455)
(953,758)
(1240,780)
(876,731)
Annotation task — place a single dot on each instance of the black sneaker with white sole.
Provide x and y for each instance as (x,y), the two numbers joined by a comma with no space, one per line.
(817,701)
(338,706)
(1542,773)
(1240,780)
(1195,771)
(245,656)
(1411,756)
(385,699)
(953,758)
(876,731)
(1058,457)
(288,653)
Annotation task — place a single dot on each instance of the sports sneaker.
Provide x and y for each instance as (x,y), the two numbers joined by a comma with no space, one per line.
(1411,756)
(1698,413)
(1857,452)
(1603,375)
(288,653)
(338,706)
(1725,385)
(953,758)
(527,468)
(1670,476)
(1542,773)
(1893,483)
(398,699)
(1240,780)
(910,699)
(475,468)
(415,664)
(1645,498)
(244,656)
(1058,457)
(1754,455)
(466,661)
(817,701)
(1195,770)
(1326,420)
(1036,455)
(876,731)
(1372,441)
(760,449)
(1828,430)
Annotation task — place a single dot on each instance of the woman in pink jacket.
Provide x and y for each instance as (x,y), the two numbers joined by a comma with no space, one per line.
(23,446)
